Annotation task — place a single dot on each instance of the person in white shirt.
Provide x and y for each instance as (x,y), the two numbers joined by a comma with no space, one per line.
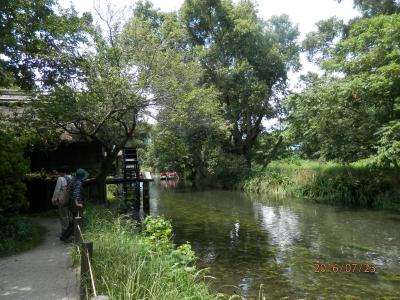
(63,209)
(75,201)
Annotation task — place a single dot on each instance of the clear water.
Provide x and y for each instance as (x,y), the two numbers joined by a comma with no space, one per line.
(252,246)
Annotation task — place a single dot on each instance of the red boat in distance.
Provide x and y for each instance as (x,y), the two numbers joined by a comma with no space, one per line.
(168,175)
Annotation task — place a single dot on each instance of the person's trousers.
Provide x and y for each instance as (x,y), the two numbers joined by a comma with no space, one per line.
(65,217)
(66,234)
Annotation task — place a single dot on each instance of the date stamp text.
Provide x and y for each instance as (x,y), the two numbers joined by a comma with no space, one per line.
(348,267)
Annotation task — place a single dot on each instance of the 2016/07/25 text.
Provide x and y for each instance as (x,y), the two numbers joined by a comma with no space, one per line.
(349,267)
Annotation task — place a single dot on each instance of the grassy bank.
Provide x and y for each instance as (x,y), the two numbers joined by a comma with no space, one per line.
(19,234)
(129,264)
(354,185)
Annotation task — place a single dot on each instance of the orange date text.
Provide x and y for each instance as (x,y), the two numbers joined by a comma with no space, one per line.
(348,267)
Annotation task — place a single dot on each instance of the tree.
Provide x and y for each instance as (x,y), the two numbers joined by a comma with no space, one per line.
(131,69)
(246,59)
(192,127)
(187,138)
(39,44)
(13,166)
(343,114)
(376,7)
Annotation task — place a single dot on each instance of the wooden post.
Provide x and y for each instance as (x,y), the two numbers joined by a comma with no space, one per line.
(77,235)
(86,249)
(146,197)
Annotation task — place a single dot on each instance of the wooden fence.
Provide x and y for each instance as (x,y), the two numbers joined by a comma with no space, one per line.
(85,249)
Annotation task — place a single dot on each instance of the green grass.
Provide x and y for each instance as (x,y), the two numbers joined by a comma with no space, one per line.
(355,184)
(111,192)
(19,233)
(129,265)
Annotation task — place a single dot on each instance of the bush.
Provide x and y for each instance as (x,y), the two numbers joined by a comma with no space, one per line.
(364,189)
(13,166)
(230,170)
(112,192)
(158,229)
(18,234)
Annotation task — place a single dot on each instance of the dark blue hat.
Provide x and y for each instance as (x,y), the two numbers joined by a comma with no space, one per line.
(81,174)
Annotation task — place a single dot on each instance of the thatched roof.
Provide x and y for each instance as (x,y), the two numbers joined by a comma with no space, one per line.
(8,96)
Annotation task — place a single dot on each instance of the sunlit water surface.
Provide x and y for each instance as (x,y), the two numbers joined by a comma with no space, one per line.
(270,247)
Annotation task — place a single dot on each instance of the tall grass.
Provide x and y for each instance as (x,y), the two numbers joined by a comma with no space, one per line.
(130,265)
(354,185)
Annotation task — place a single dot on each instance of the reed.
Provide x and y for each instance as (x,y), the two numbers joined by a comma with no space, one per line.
(352,185)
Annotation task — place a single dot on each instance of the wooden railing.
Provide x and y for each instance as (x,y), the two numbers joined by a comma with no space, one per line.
(85,249)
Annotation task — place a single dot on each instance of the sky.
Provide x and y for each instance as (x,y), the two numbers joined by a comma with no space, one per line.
(304,13)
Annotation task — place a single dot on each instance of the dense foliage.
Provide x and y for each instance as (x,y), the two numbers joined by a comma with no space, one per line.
(39,43)
(211,74)
(352,111)
(13,166)
(246,59)
(19,234)
(243,61)
(376,7)
(354,185)
(124,72)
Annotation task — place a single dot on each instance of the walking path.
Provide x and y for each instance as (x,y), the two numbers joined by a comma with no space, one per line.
(42,273)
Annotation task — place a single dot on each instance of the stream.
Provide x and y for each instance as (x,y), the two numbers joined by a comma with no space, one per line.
(284,248)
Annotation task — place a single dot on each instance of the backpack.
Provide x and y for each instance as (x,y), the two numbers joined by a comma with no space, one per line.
(65,192)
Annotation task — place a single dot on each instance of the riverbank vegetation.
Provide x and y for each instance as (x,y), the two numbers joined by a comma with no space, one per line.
(130,264)
(355,184)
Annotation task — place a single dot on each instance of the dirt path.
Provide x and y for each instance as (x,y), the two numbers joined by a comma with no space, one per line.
(42,273)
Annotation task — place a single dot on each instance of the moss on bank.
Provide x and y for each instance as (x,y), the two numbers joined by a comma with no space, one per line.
(129,264)
(19,233)
(353,185)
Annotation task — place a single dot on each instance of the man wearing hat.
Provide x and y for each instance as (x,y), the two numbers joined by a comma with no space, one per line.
(76,188)
(76,201)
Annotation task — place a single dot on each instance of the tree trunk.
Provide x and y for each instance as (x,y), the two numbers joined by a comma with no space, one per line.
(100,180)
(273,153)
(247,155)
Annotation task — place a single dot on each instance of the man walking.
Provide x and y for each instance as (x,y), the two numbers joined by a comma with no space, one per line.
(59,196)
(75,201)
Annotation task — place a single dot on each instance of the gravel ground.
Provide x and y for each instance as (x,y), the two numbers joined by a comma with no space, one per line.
(43,273)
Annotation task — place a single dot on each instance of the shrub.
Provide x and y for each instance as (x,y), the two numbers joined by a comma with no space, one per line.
(158,229)
(364,189)
(18,234)
(13,166)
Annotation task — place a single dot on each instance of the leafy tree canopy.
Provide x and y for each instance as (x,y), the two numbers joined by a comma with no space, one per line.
(132,68)
(245,58)
(376,7)
(343,114)
(13,166)
(39,43)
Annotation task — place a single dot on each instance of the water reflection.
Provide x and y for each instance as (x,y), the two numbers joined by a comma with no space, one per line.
(281,224)
(169,183)
(247,243)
